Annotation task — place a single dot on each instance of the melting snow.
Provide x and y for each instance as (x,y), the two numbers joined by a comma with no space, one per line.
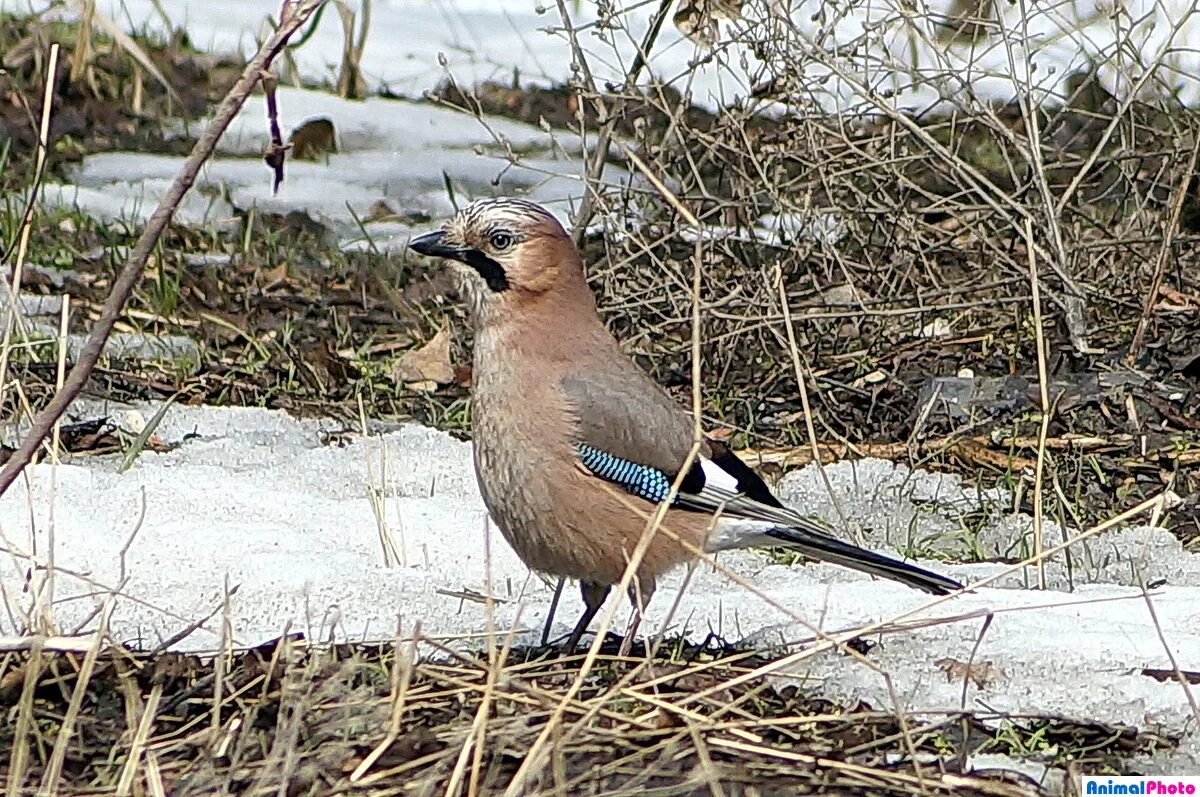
(281,510)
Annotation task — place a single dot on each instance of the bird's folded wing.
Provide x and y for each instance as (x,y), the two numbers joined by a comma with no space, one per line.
(626,414)
(631,433)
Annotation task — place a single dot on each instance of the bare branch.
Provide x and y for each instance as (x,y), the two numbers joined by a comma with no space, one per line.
(295,14)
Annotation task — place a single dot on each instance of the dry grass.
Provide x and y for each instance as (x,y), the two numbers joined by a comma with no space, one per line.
(904,246)
(417,718)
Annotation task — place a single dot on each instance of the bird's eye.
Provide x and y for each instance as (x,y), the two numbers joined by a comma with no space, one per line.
(500,240)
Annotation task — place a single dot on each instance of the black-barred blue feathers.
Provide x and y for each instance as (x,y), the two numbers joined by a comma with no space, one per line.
(644,482)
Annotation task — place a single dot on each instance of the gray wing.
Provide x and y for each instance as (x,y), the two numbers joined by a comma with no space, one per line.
(632,418)
(631,433)
(637,436)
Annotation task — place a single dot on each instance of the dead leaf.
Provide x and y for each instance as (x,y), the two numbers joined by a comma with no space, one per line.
(838,295)
(1164,676)
(380,210)
(967,21)
(274,277)
(937,328)
(697,27)
(1172,299)
(981,673)
(697,19)
(313,140)
(427,367)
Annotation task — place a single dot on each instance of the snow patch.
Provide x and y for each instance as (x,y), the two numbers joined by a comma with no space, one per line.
(281,510)
(889,47)
(394,152)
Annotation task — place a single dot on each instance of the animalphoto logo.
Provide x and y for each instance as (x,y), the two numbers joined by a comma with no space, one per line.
(1137,784)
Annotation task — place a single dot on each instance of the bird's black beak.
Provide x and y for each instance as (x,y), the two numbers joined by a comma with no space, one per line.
(434,244)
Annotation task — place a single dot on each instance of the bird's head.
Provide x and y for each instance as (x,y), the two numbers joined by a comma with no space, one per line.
(507,250)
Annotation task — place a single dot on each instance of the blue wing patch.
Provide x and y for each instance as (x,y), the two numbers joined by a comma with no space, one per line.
(644,482)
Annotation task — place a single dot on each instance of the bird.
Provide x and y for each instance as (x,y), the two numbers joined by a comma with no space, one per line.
(575,446)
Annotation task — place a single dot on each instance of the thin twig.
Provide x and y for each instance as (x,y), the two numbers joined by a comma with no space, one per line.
(66,733)
(1044,394)
(595,168)
(1164,253)
(31,205)
(296,13)
(1162,638)
(802,375)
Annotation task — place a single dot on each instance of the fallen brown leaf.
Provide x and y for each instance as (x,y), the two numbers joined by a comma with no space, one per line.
(1176,300)
(427,367)
(313,140)
(1163,676)
(982,673)
(697,19)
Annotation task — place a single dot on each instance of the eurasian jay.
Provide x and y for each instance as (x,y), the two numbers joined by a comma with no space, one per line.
(575,445)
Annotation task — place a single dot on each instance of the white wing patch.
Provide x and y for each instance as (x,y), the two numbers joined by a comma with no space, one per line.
(715,476)
(721,494)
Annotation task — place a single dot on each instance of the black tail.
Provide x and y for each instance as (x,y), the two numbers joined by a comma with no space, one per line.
(819,545)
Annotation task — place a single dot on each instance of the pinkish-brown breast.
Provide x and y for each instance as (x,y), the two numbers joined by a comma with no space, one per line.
(559,519)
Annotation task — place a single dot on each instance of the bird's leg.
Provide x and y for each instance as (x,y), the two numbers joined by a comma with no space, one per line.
(640,592)
(593,598)
(558,588)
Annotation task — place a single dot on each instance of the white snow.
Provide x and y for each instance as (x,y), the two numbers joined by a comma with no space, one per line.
(400,152)
(881,44)
(391,151)
(266,504)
